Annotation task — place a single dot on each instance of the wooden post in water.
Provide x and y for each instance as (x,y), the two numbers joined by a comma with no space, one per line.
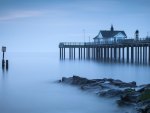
(127,54)
(94,52)
(60,52)
(101,52)
(132,54)
(64,53)
(89,52)
(79,52)
(84,52)
(111,53)
(3,60)
(140,54)
(108,53)
(104,53)
(136,54)
(143,54)
(74,53)
(115,53)
(119,53)
(6,64)
(149,54)
(123,54)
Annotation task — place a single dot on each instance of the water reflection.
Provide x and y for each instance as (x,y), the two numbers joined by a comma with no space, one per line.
(4,71)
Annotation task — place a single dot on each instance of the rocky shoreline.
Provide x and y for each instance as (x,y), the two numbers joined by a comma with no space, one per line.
(127,93)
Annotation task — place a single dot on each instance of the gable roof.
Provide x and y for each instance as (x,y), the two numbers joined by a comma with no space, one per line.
(108,34)
(95,37)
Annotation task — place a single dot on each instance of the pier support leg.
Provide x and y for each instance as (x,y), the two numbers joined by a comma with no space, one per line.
(69,53)
(127,54)
(123,54)
(97,53)
(64,53)
(74,53)
(94,49)
(141,54)
(84,52)
(104,53)
(100,53)
(132,54)
(145,54)
(111,53)
(60,52)
(138,54)
(79,53)
(149,54)
(115,49)
(119,54)
(108,53)
(89,53)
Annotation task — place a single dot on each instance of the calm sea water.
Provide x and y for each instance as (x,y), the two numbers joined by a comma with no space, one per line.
(29,84)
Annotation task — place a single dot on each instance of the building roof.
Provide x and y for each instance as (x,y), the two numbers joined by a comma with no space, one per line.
(95,37)
(109,34)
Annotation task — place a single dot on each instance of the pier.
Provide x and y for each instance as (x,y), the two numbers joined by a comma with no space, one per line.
(128,50)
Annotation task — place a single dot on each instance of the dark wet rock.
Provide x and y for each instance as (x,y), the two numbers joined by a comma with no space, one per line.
(67,80)
(111,93)
(143,107)
(121,84)
(142,88)
(130,97)
(127,93)
(81,81)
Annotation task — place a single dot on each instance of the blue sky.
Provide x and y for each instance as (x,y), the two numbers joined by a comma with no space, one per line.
(39,25)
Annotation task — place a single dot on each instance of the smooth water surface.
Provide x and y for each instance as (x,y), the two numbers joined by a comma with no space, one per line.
(29,85)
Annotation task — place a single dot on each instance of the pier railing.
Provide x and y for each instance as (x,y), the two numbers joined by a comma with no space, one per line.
(126,41)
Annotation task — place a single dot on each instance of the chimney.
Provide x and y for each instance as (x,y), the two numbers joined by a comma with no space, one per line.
(112,28)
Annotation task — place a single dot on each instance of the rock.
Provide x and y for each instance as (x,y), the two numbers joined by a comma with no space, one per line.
(111,93)
(81,81)
(67,80)
(145,95)
(129,93)
(121,84)
(143,107)
(129,96)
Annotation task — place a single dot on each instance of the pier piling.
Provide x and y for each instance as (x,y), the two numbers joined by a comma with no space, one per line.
(132,52)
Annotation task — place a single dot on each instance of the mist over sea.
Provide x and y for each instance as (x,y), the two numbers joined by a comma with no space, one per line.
(29,84)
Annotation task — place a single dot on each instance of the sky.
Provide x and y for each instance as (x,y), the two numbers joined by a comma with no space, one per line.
(39,25)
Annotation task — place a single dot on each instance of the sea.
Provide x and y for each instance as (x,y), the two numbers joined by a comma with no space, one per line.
(30,84)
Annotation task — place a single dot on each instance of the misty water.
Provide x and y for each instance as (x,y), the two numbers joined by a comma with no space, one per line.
(29,85)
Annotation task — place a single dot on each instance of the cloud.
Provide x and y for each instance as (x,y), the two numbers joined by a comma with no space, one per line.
(20,14)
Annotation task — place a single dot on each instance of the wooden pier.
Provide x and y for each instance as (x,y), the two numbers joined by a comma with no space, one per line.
(134,51)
